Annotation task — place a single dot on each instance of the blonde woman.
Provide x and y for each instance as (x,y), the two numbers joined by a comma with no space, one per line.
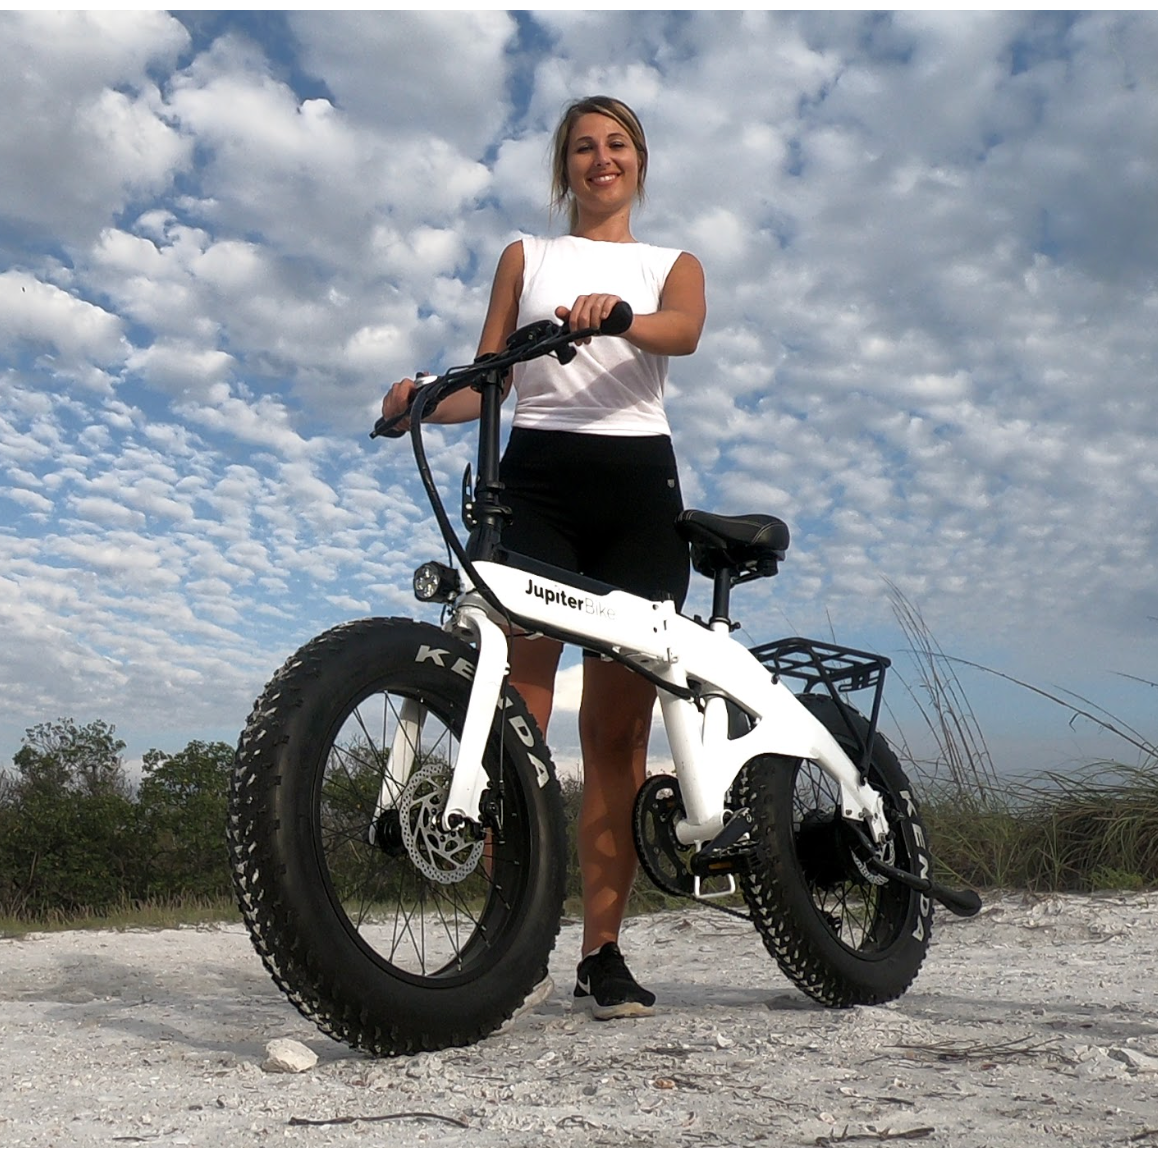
(590,476)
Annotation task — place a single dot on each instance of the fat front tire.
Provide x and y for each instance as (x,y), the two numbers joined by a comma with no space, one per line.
(840,932)
(388,932)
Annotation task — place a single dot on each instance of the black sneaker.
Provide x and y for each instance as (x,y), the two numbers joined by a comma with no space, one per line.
(604,985)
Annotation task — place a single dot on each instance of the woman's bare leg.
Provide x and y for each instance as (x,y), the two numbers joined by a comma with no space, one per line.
(614,727)
(533,666)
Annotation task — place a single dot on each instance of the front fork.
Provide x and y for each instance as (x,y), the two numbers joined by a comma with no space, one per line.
(399,761)
(469,780)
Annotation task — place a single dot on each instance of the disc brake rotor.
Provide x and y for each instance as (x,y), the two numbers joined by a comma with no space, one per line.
(442,856)
(886,855)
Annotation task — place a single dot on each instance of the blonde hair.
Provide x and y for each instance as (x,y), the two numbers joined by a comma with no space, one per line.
(608,107)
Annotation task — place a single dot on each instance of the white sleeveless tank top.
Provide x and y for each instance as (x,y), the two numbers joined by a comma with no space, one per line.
(610,386)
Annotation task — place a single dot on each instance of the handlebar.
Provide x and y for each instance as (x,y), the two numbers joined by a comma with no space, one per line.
(527,343)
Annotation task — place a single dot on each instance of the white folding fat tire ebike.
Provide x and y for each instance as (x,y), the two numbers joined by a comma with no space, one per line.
(396,828)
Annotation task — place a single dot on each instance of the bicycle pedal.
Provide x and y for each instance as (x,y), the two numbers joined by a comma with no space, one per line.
(700,894)
(721,861)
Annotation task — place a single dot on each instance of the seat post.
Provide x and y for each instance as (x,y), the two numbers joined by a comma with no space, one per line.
(722,595)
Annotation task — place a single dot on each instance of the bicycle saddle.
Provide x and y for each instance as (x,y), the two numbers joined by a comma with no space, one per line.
(754,543)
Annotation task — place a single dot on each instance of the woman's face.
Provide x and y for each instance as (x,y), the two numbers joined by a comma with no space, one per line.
(602,163)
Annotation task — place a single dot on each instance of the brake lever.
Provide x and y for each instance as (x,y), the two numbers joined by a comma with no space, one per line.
(388,427)
(616,322)
(533,333)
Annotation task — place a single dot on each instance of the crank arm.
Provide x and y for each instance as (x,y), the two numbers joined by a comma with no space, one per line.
(718,855)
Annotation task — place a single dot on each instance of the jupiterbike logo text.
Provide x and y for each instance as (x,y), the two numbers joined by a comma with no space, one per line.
(560,597)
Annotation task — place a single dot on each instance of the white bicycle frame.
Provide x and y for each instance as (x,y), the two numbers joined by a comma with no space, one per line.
(680,653)
(698,670)
(704,679)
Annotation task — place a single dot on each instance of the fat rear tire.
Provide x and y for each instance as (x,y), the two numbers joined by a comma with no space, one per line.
(839,932)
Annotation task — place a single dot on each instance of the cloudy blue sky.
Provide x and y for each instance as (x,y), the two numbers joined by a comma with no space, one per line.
(931,247)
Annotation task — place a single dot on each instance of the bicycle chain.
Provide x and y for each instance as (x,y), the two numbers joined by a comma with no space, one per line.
(742,914)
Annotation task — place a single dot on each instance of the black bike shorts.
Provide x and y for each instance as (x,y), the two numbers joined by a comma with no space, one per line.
(600,505)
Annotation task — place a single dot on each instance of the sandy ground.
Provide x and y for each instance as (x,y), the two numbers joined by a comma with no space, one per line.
(1035,1024)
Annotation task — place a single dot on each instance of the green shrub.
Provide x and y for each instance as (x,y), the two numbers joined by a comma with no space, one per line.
(181,810)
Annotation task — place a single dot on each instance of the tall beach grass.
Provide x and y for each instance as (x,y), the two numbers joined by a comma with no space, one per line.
(158,913)
(1086,830)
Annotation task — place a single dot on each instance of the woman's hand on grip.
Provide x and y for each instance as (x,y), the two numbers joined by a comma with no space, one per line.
(588,312)
(398,401)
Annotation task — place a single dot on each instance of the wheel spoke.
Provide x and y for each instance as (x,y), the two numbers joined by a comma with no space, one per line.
(417,898)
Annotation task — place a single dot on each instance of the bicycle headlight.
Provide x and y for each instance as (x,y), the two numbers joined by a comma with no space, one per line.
(436,583)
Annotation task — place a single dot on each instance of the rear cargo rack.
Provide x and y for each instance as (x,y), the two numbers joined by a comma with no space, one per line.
(840,671)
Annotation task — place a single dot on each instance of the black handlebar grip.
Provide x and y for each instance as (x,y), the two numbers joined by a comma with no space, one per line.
(388,428)
(618,321)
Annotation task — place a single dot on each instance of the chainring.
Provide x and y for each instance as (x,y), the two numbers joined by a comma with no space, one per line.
(658,806)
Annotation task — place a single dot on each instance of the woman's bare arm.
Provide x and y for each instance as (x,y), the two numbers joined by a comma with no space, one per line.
(501,320)
(673,329)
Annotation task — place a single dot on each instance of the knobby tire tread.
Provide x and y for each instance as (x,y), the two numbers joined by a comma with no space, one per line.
(776,893)
(259,874)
